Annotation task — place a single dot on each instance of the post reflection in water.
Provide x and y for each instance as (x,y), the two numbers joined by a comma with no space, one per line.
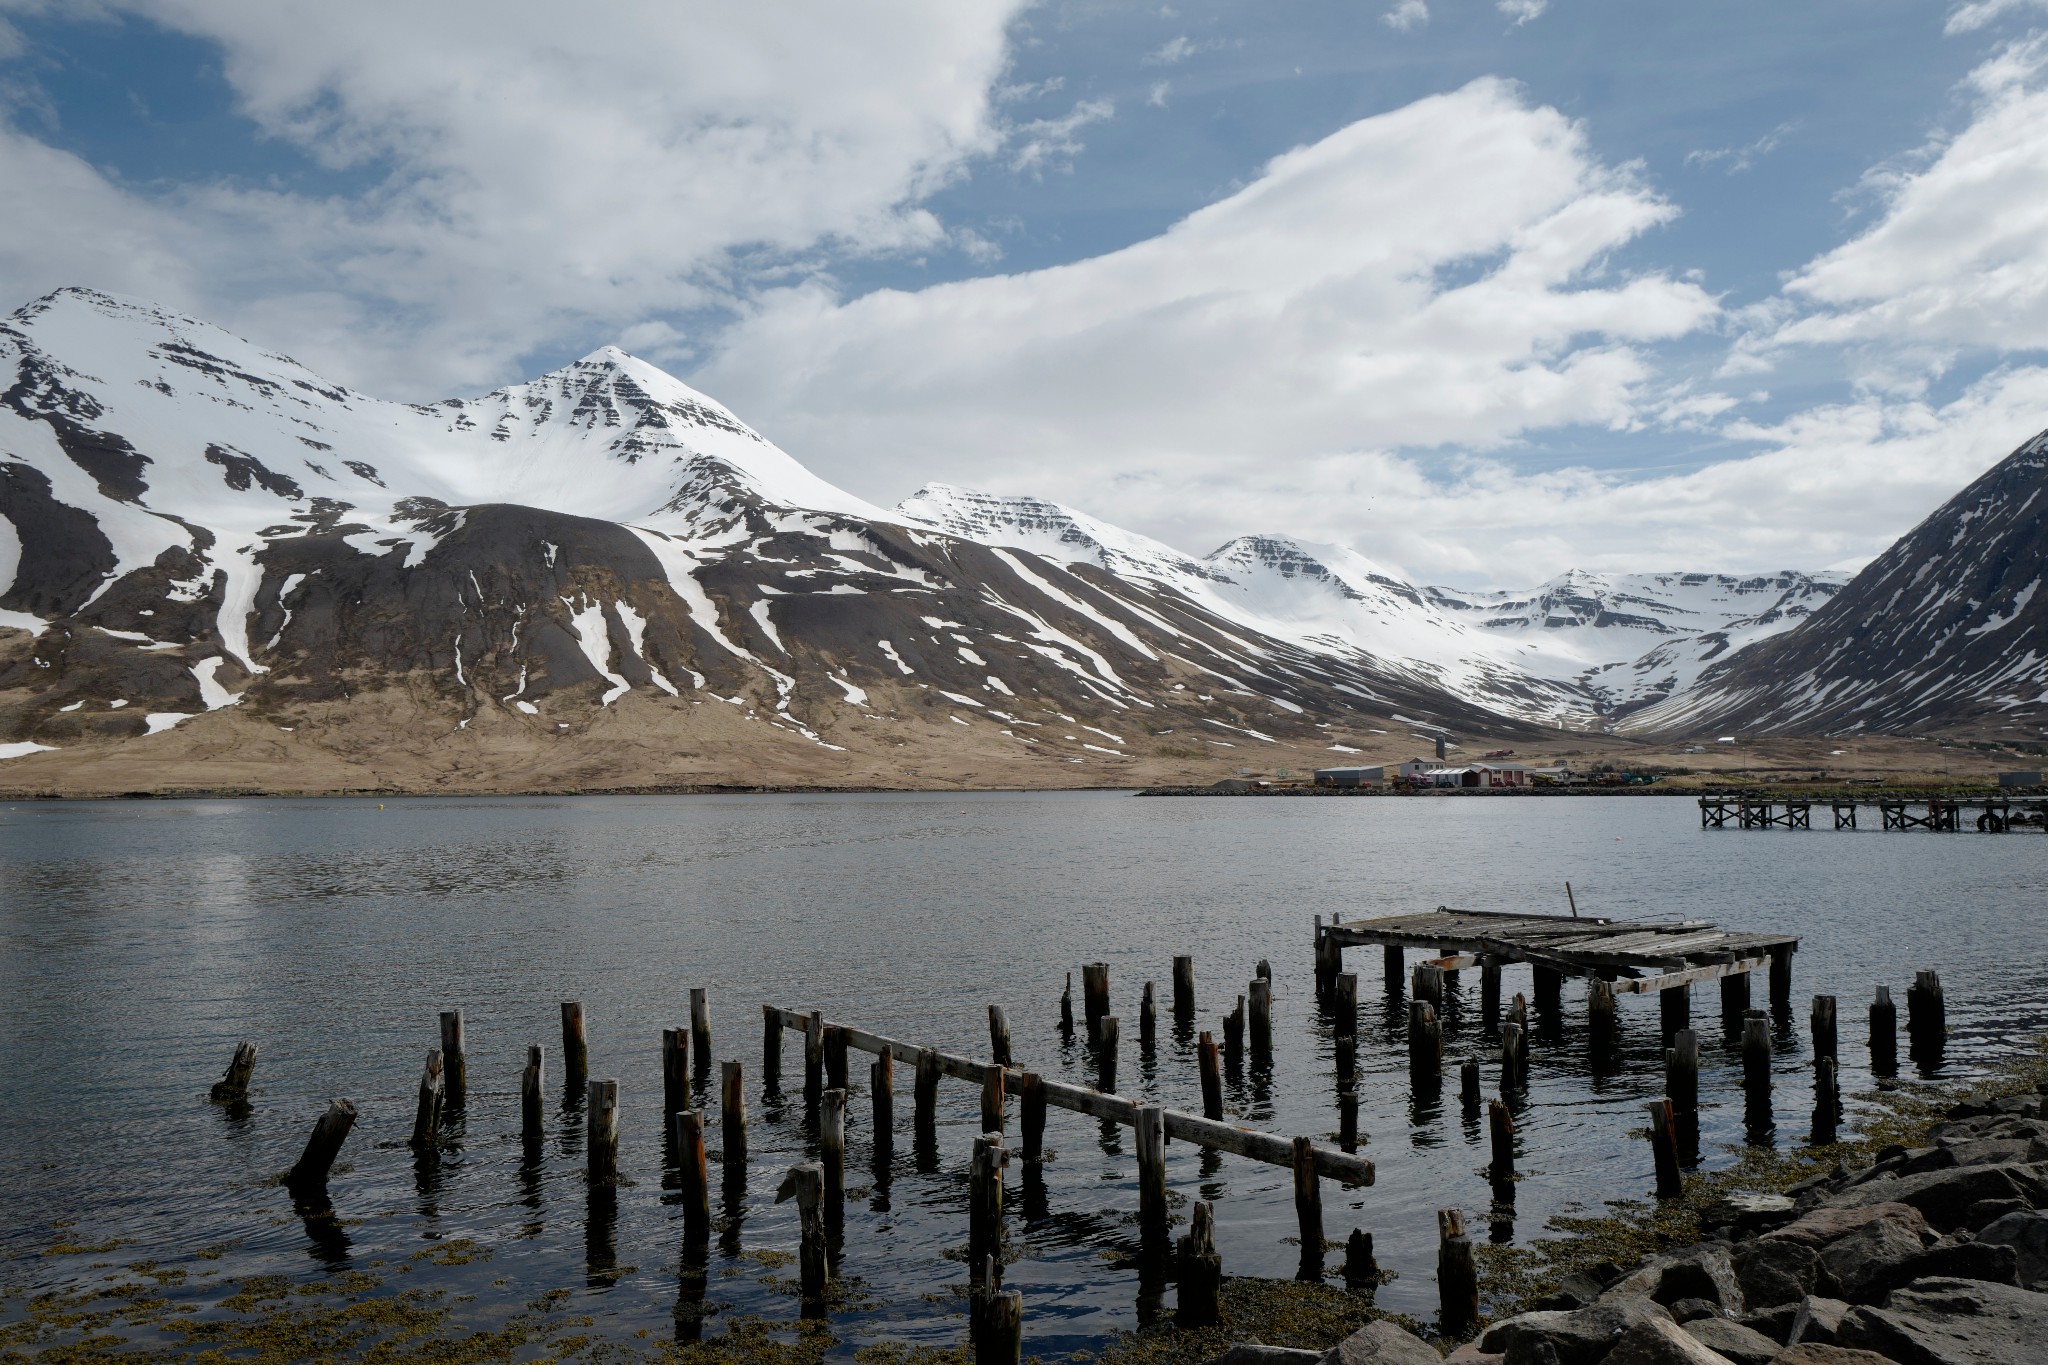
(601,1237)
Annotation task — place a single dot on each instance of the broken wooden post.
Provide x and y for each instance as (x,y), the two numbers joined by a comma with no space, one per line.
(426,1119)
(1346,1048)
(1211,1063)
(1148,1023)
(1501,1128)
(1428,984)
(1514,1055)
(1361,1269)
(1756,1053)
(1149,1129)
(994,1100)
(454,1060)
(1201,1271)
(985,1200)
(330,1130)
(771,1049)
(689,1130)
(926,1090)
(1468,1086)
(1425,1036)
(732,1102)
(1393,967)
(1264,971)
(806,1184)
(1308,1209)
(1926,1018)
(1601,1025)
(1664,1150)
(1674,1010)
(1346,1004)
(1489,987)
(1184,990)
(999,1035)
(1108,1032)
(530,1082)
(1884,1034)
(575,1047)
(1827,1102)
(1457,1276)
(835,1057)
(1095,997)
(814,1056)
(1518,1013)
(882,1092)
(1822,1024)
(1031,1106)
(1233,1036)
(1067,1010)
(832,1151)
(675,1070)
(995,1322)
(601,1137)
(1261,1022)
(1682,1072)
(700,1028)
(233,1087)
(1347,1117)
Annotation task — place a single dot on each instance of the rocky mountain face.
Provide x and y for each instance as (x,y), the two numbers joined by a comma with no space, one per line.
(1946,630)
(603,577)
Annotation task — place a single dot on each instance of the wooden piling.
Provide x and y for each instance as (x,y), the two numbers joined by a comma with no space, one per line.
(1361,1268)
(233,1086)
(601,1138)
(1756,1053)
(996,1323)
(1518,1013)
(1031,1107)
(1347,1117)
(1457,1276)
(814,1056)
(832,1148)
(1664,1150)
(575,1046)
(675,1070)
(1067,1009)
(1489,988)
(1884,1034)
(1148,1022)
(700,1027)
(1201,1271)
(882,1092)
(1468,1086)
(330,1130)
(1548,984)
(1233,1036)
(426,1119)
(1261,1021)
(1822,1025)
(1150,1140)
(1781,979)
(771,1049)
(732,1103)
(1514,1055)
(1264,971)
(454,1060)
(1428,984)
(1184,989)
(835,1057)
(1308,1209)
(926,1092)
(1501,1128)
(985,1200)
(1827,1102)
(806,1184)
(1926,1017)
(1345,1003)
(999,1035)
(696,1176)
(1346,1048)
(1600,1017)
(994,1099)
(1211,1063)
(530,1083)
(1108,1033)
(1674,1011)
(1095,997)
(1682,1072)
(1425,1036)
(1734,996)
(1393,967)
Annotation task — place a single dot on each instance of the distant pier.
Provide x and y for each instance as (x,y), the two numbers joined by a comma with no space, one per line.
(1930,811)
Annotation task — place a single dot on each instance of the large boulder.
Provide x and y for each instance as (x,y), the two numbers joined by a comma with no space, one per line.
(2027,1234)
(1775,1270)
(1951,1322)
(1582,1336)
(1382,1343)
(1706,1271)
(1822,1225)
(1252,1353)
(1662,1343)
(1945,1197)
(1743,1345)
(1817,1320)
(1817,1354)
(1863,1266)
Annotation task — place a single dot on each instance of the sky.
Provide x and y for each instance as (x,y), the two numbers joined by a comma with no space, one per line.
(1483,289)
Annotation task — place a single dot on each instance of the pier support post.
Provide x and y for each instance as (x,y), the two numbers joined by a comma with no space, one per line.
(1664,1147)
(330,1130)
(1184,989)
(530,1083)
(999,1035)
(1549,987)
(1825,1039)
(1345,1004)
(996,1323)
(1756,1053)
(882,1095)
(1395,967)
(835,1057)
(1457,1276)
(601,1132)
(1468,1087)
(1201,1271)
(1600,1020)
(1261,1022)
(1031,1105)
(1884,1034)
(1926,1019)
(454,1060)
(1148,1017)
(1095,997)
(1501,1128)
(575,1046)
(1514,1056)
(1150,1134)
(985,1201)
(1827,1102)
(1489,988)
(1781,979)
(233,1087)
(1067,1010)
(1428,984)
(832,1153)
(926,1092)
(700,1028)
(732,1104)
(1734,997)
(689,1130)
(806,1182)
(1211,1064)
(994,1101)
(426,1119)
(675,1070)
(1682,1072)
(814,1056)
(771,1049)
(1674,1010)
(1233,1037)
(1111,1032)
(1308,1209)
(1425,1037)
(1361,1270)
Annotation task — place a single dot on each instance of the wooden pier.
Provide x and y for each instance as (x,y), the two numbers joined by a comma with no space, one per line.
(1986,814)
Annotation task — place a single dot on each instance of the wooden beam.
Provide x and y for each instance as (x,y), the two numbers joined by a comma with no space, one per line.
(1645,984)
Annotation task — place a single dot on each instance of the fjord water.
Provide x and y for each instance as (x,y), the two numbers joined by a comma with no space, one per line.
(140,940)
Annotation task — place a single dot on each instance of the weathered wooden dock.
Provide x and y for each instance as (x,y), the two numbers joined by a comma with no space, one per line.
(1634,955)
(1987,814)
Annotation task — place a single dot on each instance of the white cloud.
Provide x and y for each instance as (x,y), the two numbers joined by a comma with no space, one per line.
(1175,49)
(538,176)
(1736,160)
(1047,143)
(1968,18)
(1157,97)
(1523,11)
(1959,256)
(1434,275)
(1406,15)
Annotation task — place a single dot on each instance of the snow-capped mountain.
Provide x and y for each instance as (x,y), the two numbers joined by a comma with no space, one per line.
(1946,629)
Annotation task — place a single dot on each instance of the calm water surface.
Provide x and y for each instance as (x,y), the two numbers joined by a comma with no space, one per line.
(140,941)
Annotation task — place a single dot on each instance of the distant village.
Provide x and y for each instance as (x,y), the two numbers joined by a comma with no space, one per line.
(1418,773)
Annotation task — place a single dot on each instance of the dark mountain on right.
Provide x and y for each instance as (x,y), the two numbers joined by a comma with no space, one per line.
(1945,631)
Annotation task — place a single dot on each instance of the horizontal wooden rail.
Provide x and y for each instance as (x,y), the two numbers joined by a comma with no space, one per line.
(1642,985)
(1331,1163)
